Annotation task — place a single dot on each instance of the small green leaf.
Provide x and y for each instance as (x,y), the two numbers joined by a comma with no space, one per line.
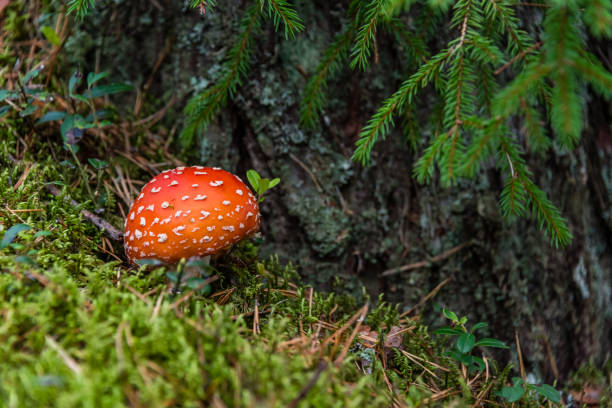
(263,186)
(51,35)
(42,233)
(80,98)
(479,325)
(31,75)
(51,116)
(98,164)
(253,178)
(11,233)
(274,182)
(513,393)
(4,110)
(30,109)
(74,80)
(149,261)
(92,77)
(448,331)
(549,392)
(104,90)
(450,315)
(488,342)
(465,342)
(25,260)
(4,94)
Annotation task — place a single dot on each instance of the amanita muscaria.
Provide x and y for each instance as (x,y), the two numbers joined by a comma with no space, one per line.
(189,212)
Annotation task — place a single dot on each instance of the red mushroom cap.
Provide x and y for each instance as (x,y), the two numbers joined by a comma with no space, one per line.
(189,212)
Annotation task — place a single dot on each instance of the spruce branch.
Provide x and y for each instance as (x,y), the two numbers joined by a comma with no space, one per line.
(548,216)
(281,11)
(598,16)
(201,108)
(537,140)
(366,33)
(378,125)
(80,7)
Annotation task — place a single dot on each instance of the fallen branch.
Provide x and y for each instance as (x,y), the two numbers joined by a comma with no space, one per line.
(427,262)
(112,232)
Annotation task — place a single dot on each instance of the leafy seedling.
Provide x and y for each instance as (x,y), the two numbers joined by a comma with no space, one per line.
(259,184)
(466,341)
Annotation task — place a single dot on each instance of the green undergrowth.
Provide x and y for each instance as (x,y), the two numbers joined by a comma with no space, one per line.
(80,329)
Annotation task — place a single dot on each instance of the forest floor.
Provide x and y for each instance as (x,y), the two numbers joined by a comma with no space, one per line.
(82,327)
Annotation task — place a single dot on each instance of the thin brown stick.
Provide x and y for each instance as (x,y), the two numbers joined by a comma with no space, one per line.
(431,294)
(112,232)
(313,380)
(427,262)
(520,356)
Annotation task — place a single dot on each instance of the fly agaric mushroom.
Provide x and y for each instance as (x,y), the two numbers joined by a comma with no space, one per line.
(189,212)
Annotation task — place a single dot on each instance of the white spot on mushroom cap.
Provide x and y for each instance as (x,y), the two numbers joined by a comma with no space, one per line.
(249,214)
(165,220)
(228,228)
(204,214)
(140,196)
(132,216)
(162,237)
(150,207)
(155,221)
(177,229)
(216,168)
(194,185)
(184,198)
(140,209)
(216,183)
(239,192)
(156,189)
(241,225)
(151,234)
(178,213)
(205,238)
(227,202)
(192,220)
(166,176)
(200,197)
(211,228)
(127,233)
(165,204)
(180,168)
(199,173)
(173,183)
(195,229)
(220,217)
(143,222)
(138,234)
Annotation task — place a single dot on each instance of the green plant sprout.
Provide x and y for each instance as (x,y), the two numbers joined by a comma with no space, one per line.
(517,391)
(73,124)
(466,341)
(260,185)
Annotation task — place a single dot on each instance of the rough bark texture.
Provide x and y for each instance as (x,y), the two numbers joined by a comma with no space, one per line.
(344,225)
